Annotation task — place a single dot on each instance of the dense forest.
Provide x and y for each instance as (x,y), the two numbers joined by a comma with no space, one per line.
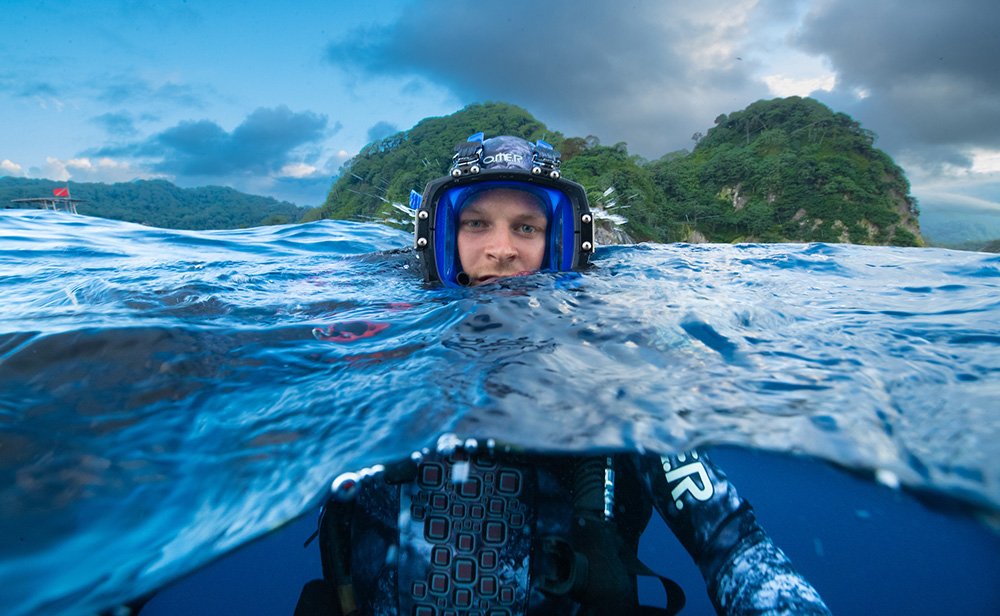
(158,203)
(781,170)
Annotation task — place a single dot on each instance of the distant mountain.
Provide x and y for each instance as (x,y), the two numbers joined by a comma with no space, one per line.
(781,170)
(955,226)
(158,203)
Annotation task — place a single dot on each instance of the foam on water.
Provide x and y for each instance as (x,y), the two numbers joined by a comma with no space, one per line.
(167,395)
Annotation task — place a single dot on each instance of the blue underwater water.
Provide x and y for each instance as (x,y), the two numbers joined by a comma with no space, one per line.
(168,396)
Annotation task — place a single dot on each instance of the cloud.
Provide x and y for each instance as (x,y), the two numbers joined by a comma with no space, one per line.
(645,71)
(309,191)
(304,183)
(297,170)
(90,169)
(929,70)
(45,94)
(263,144)
(381,130)
(922,76)
(120,124)
(9,167)
(784,86)
(38,89)
(273,151)
(986,161)
(122,89)
(956,200)
(118,90)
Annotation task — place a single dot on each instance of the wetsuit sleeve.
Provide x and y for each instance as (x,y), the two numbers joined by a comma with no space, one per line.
(744,571)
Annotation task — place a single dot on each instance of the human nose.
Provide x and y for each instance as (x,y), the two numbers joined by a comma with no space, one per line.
(501,246)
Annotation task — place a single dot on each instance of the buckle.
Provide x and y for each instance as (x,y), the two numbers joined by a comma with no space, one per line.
(467,158)
(545,159)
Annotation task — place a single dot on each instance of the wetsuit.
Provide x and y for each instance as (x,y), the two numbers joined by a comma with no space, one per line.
(507,535)
(744,571)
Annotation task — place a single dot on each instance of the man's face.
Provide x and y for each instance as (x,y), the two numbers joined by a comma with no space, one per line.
(501,233)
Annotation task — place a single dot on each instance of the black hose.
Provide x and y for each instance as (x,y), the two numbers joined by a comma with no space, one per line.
(588,487)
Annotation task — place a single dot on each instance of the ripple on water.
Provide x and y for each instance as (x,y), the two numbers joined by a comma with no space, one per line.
(181,375)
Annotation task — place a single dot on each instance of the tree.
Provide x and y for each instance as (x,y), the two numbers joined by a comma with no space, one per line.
(787,169)
(159,203)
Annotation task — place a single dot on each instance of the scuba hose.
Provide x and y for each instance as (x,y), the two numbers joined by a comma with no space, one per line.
(596,567)
(588,566)
(564,570)
(590,478)
(335,548)
(335,529)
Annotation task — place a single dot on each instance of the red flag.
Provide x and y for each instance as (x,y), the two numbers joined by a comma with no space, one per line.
(61,192)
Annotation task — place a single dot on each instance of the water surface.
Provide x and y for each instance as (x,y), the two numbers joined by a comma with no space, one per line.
(165,396)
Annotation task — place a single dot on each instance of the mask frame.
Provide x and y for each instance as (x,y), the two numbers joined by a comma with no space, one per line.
(569,237)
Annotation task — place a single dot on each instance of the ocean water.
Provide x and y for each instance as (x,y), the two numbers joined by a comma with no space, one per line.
(168,396)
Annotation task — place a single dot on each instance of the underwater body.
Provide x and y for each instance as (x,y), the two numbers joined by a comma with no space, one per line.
(168,396)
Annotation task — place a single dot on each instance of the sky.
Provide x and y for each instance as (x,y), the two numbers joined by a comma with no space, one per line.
(272,98)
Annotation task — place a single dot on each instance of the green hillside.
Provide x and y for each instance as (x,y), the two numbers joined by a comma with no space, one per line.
(788,169)
(386,170)
(781,170)
(158,203)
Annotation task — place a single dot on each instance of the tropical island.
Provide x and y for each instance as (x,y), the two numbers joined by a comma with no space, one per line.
(781,170)
(787,169)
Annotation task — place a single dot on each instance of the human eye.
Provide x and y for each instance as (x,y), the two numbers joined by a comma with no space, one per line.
(529,227)
(473,224)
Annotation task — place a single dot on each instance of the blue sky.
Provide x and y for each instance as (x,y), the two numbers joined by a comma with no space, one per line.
(271,98)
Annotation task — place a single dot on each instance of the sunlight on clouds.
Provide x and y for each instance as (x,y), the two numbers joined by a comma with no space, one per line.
(297,170)
(985,161)
(9,167)
(55,169)
(717,35)
(85,169)
(781,85)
